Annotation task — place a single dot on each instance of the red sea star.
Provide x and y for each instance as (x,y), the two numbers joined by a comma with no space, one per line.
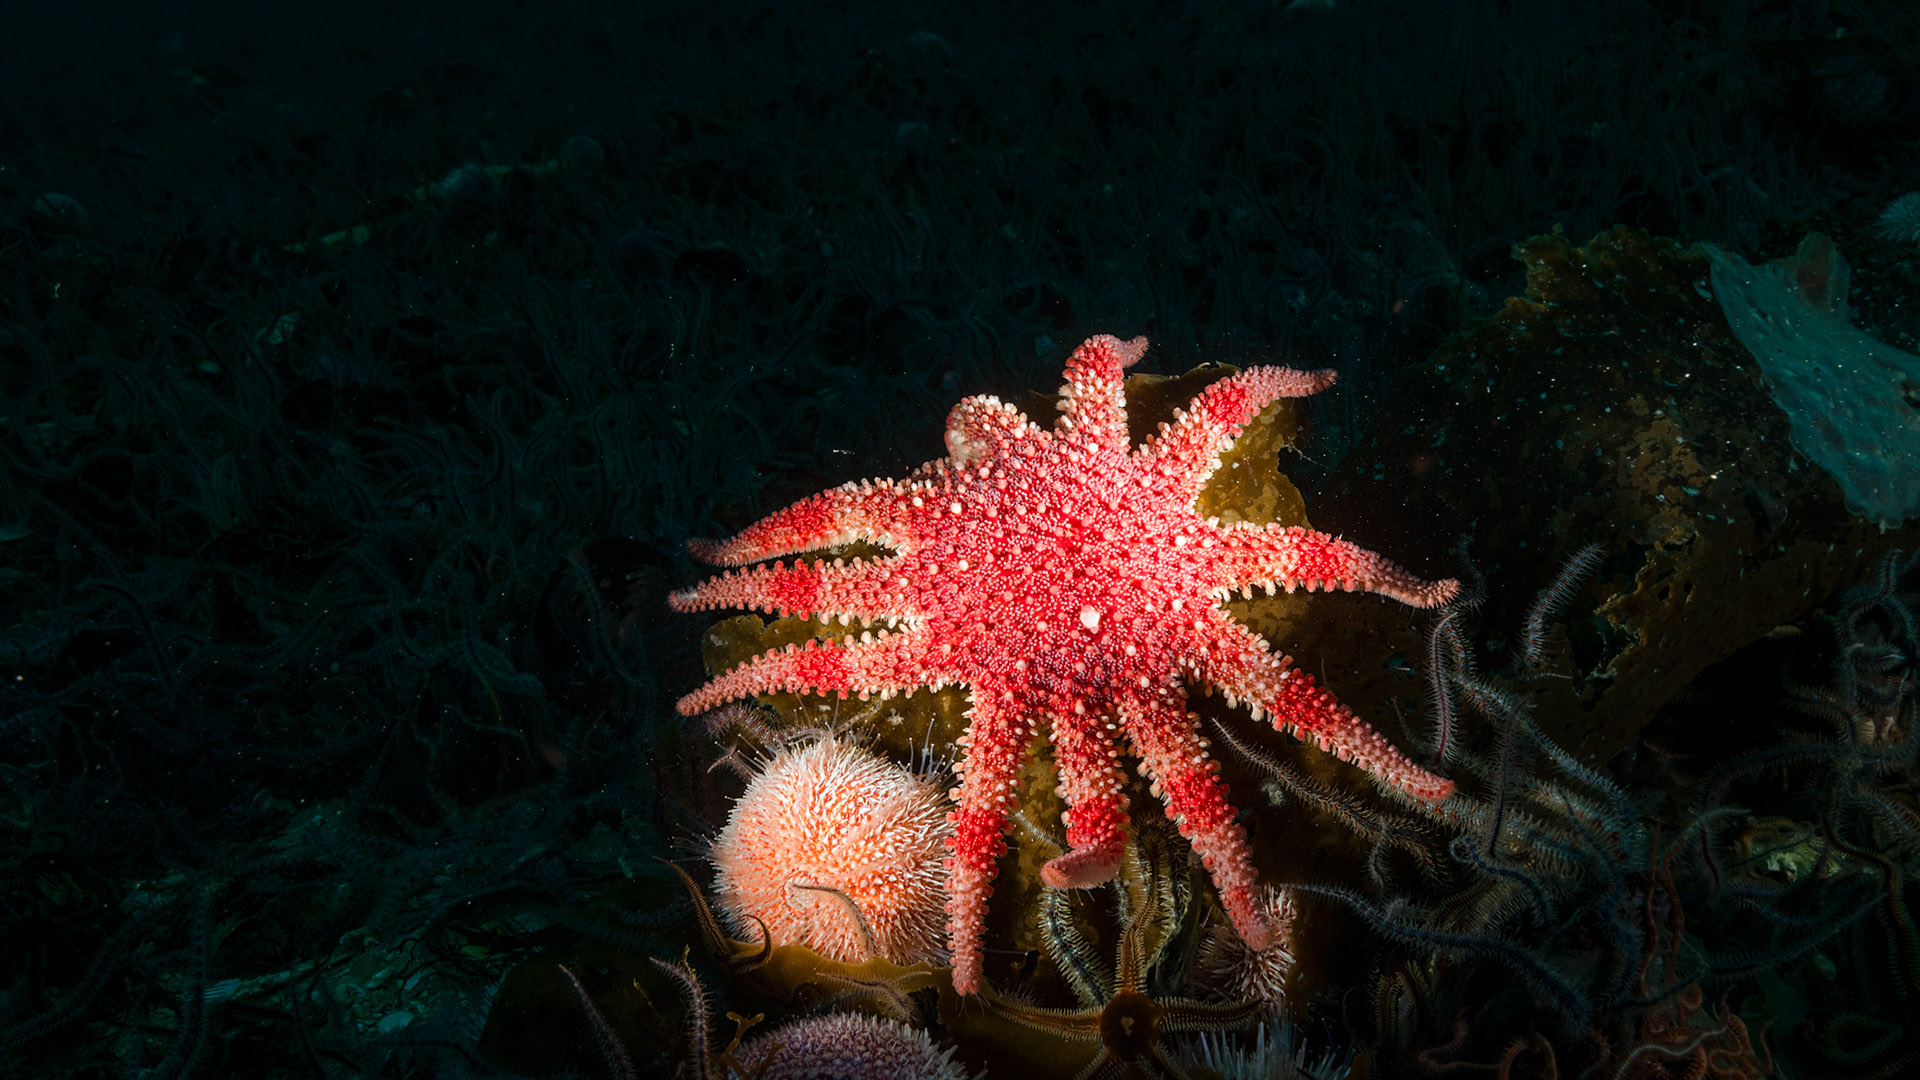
(1067,580)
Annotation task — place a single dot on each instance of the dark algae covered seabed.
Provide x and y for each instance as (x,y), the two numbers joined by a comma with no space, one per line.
(832,540)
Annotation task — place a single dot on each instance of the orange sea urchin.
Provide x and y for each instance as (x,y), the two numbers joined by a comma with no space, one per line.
(827,828)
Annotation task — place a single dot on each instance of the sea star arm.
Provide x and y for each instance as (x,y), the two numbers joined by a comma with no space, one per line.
(984,427)
(1087,758)
(1186,780)
(998,733)
(1192,443)
(1237,662)
(1293,557)
(862,510)
(860,588)
(876,663)
(1307,710)
(1093,404)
